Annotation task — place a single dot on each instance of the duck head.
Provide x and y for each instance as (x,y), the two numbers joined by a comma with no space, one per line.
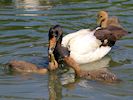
(55,37)
(102,19)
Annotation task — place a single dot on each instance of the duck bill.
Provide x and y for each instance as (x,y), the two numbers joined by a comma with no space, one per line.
(52,44)
(51,48)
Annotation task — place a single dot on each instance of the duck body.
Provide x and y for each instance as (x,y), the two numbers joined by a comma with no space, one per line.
(84,46)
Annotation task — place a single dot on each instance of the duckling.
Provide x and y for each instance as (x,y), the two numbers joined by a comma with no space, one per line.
(103,20)
(25,67)
(111,24)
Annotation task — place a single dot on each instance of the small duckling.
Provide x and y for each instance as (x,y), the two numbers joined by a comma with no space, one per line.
(111,24)
(110,30)
(104,20)
(25,67)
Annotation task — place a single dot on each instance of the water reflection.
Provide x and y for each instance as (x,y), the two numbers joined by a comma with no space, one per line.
(69,82)
(32,5)
(55,87)
(27,4)
(102,64)
(57,82)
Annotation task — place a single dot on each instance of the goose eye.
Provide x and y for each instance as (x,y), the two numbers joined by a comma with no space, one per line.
(56,35)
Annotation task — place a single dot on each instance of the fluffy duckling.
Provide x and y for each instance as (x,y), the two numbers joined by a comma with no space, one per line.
(111,24)
(25,67)
(103,20)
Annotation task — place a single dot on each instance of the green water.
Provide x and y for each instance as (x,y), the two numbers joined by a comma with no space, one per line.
(24,25)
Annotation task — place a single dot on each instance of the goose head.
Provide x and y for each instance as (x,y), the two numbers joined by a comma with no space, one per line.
(55,37)
(102,19)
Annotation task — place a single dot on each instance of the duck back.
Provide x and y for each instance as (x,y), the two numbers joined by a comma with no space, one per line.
(84,47)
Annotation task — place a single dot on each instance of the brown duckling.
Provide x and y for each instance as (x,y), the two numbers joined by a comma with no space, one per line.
(104,20)
(25,67)
(111,23)
(110,29)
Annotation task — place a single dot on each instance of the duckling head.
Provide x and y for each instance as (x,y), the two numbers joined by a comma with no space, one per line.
(102,19)
(55,36)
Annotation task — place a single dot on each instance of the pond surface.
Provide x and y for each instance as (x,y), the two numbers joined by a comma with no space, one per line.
(24,25)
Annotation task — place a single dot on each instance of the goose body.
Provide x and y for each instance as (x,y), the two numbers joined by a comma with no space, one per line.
(84,47)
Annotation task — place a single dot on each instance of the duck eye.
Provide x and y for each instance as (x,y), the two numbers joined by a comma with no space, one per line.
(101,16)
(55,35)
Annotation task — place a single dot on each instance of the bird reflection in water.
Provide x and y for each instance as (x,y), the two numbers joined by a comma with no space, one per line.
(69,81)
(99,67)
(55,87)
(57,80)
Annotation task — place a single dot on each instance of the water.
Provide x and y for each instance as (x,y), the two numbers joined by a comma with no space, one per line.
(24,25)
